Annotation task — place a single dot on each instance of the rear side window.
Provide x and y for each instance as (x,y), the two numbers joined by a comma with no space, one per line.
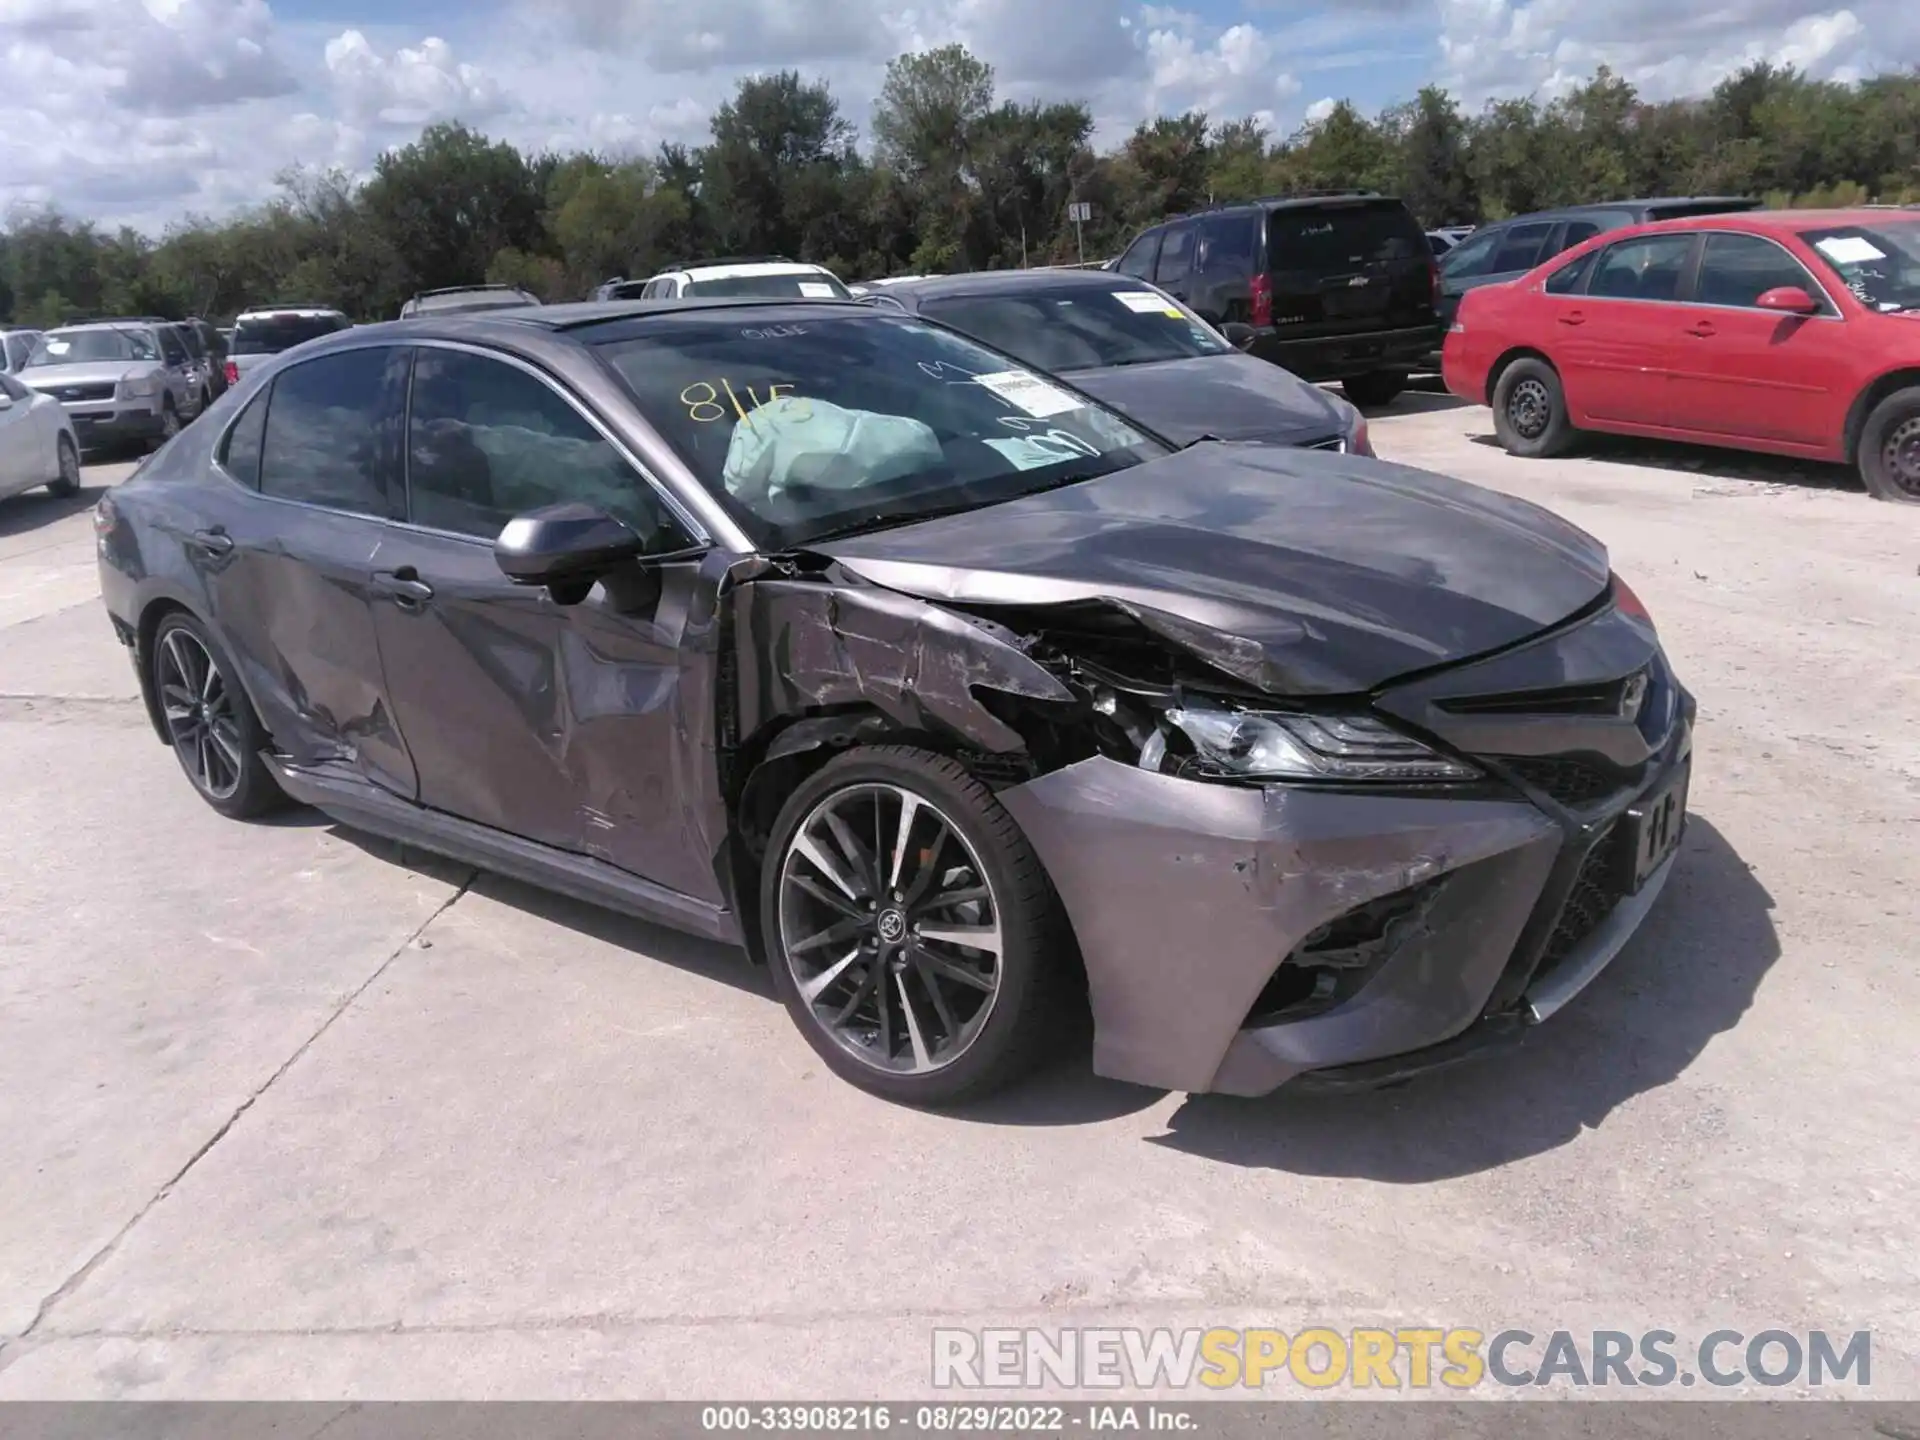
(1337,240)
(1176,256)
(1577,231)
(1227,245)
(1521,248)
(240,451)
(487,441)
(332,433)
(270,334)
(1140,257)
(1646,268)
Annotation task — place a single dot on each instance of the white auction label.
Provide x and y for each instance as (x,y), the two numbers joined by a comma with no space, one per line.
(816,290)
(1026,391)
(1850,250)
(1145,302)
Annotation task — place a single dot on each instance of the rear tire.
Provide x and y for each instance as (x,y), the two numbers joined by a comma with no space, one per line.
(960,1020)
(209,721)
(1889,450)
(67,481)
(1381,387)
(1530,411)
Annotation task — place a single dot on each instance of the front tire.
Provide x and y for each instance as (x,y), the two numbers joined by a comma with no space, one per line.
(67,480)
(215,735)
(169,423)
(1889,452)
(910,929)
(1530,411)
(1382,387)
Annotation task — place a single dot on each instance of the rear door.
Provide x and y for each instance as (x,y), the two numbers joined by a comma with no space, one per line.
(1616,344)
(559,723)
(1741,372)
(290,550)
(1345,267)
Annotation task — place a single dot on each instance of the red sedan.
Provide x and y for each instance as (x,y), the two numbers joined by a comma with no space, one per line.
(1791,331)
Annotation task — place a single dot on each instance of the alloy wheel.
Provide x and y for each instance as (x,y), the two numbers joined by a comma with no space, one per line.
(1530,409)
(890,928)
(198,706)
(1900,455)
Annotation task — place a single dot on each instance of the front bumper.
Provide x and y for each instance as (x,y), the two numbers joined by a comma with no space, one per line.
(1192,900)
(112,422)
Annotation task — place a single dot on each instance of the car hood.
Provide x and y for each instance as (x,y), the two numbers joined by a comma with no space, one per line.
(1297,572)
(1230,397)
(93,372)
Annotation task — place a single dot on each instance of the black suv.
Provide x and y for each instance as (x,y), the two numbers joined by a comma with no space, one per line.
(1337,286)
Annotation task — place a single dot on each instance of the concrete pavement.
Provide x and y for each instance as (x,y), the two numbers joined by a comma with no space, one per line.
(291,1114)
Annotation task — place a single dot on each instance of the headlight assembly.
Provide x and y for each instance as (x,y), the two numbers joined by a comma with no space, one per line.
(137,386)
(1276,745)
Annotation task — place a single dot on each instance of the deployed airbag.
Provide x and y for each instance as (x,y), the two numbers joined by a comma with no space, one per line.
(794,442)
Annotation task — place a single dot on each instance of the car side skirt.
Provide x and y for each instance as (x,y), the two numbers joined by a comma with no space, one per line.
(354,802)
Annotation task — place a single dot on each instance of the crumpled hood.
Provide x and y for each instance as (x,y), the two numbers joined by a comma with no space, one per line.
(1231,397)
(1296,571)
(92,372)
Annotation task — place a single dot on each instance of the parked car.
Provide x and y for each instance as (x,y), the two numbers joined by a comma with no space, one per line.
(121,381)
(825,630)
(1508,249)
(1138,350)
(37,443)
(1440,242)
(15,347)
(463,299)
(213,347)
(200,359)
(764,275)
(1336,286)
(1793,331)
(259,335)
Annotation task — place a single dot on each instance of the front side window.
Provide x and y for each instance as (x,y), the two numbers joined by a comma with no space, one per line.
(790,285)
(1080,327)
(1880,264)
(332,431)
(173,350)
(92,346)
(1646,268)
(1739,269)
(486,442)
(1140,257)
(1568,279)
(804,428)
(1176,256)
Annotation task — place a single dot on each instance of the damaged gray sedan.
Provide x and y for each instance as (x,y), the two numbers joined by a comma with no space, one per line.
(955,698)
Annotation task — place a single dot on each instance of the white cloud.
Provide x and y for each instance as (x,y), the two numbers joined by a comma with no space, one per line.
(1321,109)
(412,87)
(1237,73)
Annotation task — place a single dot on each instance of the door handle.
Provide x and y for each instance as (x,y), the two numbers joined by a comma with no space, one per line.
(1573,317)
(215,541)
(1702,329)
(404,587)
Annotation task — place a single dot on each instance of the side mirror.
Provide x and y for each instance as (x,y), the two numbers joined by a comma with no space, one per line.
(6,401)
(565,547)
(1788,300)
(1240,336)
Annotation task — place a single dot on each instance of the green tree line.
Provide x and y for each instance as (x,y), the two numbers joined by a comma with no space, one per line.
(955,178)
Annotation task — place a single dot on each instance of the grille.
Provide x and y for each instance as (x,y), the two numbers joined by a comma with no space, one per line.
(85,392)
(1596,890)
(1573,783)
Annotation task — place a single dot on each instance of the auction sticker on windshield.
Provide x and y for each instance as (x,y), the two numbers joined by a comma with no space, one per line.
(816,290)
(1143,302)
(1850,250)
(1026,391)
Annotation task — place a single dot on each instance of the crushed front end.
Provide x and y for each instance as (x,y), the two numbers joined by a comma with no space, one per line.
(1451,859)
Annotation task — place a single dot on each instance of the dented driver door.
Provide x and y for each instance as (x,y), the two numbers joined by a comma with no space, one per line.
(563,724)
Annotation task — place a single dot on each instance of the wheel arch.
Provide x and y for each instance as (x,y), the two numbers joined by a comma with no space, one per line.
(1871,395)
(1506,362)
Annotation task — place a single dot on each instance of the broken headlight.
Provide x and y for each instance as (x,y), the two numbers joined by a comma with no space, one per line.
(1274,745)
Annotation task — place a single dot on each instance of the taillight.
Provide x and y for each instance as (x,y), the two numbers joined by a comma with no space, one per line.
(233,373)
(1628,603)
(1263,300)
(105,517)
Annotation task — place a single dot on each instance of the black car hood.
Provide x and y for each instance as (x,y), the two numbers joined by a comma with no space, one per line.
(1230,397)
(1295,571)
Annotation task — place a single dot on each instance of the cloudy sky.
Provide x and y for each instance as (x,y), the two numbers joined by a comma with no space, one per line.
(144,110)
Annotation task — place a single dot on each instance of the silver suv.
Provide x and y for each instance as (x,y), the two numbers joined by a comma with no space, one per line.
(120,380)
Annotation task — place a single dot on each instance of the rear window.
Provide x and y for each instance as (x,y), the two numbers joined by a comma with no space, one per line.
(798,285)
(1336,239)
(1080,327)
(270,334)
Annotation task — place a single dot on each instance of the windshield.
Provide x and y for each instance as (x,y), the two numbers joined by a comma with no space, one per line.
(828,424)
(791,285)
(83,347)
(1879,264)
(270,334)
(1080,327)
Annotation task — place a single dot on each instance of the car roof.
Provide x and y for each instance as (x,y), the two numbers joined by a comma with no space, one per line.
(113,325)
(729,270)
(993,282)
(576,315)
(262,311)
